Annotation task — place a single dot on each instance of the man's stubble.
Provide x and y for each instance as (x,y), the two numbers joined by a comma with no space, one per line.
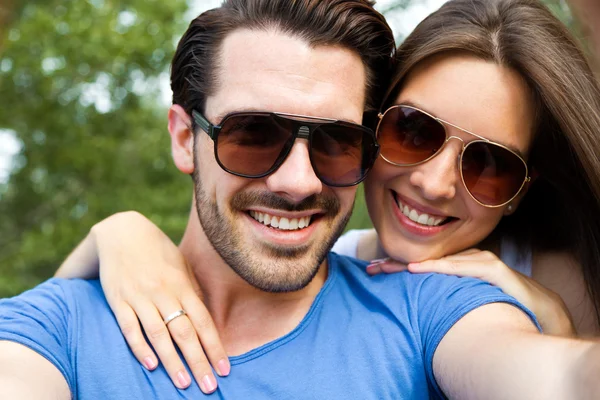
(280,269)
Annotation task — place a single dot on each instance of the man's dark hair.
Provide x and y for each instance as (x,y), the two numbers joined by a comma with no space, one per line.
(352,24)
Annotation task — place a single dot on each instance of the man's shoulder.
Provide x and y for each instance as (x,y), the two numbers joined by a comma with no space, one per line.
(65,289)
(74,285)
(47,319)
(406,292)
(354,269)
(59,298)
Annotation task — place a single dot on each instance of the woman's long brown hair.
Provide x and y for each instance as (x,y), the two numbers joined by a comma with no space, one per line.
(561,211)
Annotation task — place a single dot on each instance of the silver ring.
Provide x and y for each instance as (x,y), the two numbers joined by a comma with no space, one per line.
(176,314)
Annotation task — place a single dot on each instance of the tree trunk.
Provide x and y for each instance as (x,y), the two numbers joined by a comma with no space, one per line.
(6,10)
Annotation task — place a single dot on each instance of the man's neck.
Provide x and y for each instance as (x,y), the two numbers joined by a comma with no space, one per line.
(245,316)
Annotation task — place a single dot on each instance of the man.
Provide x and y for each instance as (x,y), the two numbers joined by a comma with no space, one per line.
(252,81)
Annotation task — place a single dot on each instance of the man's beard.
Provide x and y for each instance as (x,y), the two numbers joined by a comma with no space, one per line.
(288,269)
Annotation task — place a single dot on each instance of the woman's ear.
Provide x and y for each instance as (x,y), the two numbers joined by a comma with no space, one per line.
(510,209)
(512,206)
(182,139)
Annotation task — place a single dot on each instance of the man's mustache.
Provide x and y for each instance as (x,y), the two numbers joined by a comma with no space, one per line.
(244,200)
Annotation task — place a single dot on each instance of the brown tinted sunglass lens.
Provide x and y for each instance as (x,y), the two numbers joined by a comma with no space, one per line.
(492,174)
(338,154)
(408,136)
(250,144)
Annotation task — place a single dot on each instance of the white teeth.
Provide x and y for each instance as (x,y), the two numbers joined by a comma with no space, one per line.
(423,219)
(284,223)
(287,224)
(414,215)
(302,223)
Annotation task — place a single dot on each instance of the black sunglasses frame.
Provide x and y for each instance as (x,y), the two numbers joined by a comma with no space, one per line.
(303,128)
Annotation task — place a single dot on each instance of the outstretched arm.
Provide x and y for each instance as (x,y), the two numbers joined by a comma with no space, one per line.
(494,352)
(83,261)
(146,279)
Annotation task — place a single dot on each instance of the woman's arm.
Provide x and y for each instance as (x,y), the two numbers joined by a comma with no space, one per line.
(562,274)
(146,279)
(82,262)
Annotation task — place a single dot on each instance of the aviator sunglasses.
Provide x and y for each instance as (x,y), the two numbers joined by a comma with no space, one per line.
(255,144)
(492,173)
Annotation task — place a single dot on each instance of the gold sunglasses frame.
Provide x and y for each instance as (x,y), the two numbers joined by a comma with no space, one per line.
(479,139)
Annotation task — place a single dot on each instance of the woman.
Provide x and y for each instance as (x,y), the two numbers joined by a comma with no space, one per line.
(499,86)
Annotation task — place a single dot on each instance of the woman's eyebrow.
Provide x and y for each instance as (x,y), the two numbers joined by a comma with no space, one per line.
(412,103)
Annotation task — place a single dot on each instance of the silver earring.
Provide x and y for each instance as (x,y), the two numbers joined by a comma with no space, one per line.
(510,208)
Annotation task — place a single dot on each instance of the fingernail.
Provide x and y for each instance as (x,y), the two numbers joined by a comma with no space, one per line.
(149,363)
(414,264)
(209,384)
(223,367)
(373,269)
(378,261)
(184,379)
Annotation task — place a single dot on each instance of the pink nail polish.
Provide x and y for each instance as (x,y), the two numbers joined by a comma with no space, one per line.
(183,379)
(223,367)
(372,269)
(209,384)
(149,363)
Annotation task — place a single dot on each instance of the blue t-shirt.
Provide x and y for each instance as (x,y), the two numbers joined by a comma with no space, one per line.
(363,338)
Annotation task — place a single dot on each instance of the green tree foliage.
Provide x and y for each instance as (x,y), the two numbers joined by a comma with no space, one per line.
(560,8)
(79,89)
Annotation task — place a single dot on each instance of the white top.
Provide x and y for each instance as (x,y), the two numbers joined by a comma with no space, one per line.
(347,245)
(510,256)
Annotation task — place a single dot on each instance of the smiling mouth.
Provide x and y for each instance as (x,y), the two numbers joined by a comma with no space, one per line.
(422,218)
(281,223)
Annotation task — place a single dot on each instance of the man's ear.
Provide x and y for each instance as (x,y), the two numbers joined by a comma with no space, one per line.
(182,139)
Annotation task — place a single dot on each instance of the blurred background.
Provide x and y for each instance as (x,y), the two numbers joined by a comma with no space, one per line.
(83,98)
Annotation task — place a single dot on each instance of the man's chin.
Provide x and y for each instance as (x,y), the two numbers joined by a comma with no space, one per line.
(285,253)
(279,286)
(281,274)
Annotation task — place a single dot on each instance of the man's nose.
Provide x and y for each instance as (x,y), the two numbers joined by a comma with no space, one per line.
(438,177)
(295,179)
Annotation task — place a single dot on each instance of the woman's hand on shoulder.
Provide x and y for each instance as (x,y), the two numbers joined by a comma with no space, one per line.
(548,306)
(146,279)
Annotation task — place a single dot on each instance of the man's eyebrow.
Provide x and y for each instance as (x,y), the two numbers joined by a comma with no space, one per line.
(415,104)
(221,116)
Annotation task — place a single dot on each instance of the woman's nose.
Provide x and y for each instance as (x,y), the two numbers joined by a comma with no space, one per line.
(438,177)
